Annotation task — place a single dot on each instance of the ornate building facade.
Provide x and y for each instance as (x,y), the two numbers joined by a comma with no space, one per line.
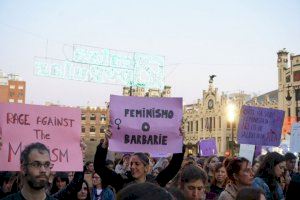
(208,119)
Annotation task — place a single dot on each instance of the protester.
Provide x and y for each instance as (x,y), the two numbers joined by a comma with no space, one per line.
(83,193)
(219,181)
(139,166)
(70,176)
(294,187)
(271,168)
(144,191)
(60,181)
(123,166)
(290,160)
(35,166)
(89,167)
(210,167)
(101,191)
(255,166)
(240,175)
(6,182)
(176,193)
(250,193)
(192,182)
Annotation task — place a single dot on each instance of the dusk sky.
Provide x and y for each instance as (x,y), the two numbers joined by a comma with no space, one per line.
(236,40)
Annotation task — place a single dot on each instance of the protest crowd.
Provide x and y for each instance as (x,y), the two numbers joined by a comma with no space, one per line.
(140,175)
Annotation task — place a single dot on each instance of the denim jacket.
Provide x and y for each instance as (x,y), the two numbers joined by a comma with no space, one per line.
(260,183)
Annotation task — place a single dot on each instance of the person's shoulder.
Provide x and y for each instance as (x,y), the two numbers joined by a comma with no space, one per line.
(14,196)
(50,197)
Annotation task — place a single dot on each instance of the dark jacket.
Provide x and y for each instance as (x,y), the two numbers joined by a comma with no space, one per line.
(19,196)
(73,187)
(110,177)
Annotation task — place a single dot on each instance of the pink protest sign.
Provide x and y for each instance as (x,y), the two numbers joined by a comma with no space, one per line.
(144,124)
(56,127)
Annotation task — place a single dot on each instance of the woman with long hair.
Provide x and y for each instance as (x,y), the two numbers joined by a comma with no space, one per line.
(209,167)
(139,168)
(83,193)
(268,174)
(100,190)
(240,174)
(219,181)
(60,181)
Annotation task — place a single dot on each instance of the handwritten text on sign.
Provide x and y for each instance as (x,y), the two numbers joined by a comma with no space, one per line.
(260,126)
(145,124)
(208,147)
(56,127)
(295,138)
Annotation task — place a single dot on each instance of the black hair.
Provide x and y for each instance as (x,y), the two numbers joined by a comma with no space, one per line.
(5,177)
(25,153)
(266,170)
(191,173)
(234,166)
(249,193)
(289,156)
(63,176)
(74,194)
(144,191)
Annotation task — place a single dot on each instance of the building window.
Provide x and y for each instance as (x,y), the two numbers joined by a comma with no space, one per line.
(228,125)
(102,117)
(12,87)
(192,126)
(83,117)
(11,100)
(21,87)
(234,125)
(197,125)
(220,122)
(102,129)
(93,116)
(289,112)
(11,94)
(297,94)
(214,122)
(93,129)
(188,126)
(20,101)
(20,94)
(298,113)
(83,129)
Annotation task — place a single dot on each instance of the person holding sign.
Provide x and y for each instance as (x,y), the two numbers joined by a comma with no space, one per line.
(139,167)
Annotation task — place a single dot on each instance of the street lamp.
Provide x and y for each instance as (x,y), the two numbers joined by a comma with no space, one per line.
(231,112)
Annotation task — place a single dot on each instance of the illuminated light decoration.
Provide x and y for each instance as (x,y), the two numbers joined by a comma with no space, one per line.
(105,66)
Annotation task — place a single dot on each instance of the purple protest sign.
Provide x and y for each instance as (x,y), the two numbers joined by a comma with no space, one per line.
(208,147)
(260,126)
(145,124)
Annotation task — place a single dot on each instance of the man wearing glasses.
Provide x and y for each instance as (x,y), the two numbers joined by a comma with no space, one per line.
(35,168)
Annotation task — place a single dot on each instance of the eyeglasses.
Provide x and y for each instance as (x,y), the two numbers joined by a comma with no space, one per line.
(38,165)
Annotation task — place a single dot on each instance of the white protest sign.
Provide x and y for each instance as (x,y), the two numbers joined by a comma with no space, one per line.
(295,138)
(247,151)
